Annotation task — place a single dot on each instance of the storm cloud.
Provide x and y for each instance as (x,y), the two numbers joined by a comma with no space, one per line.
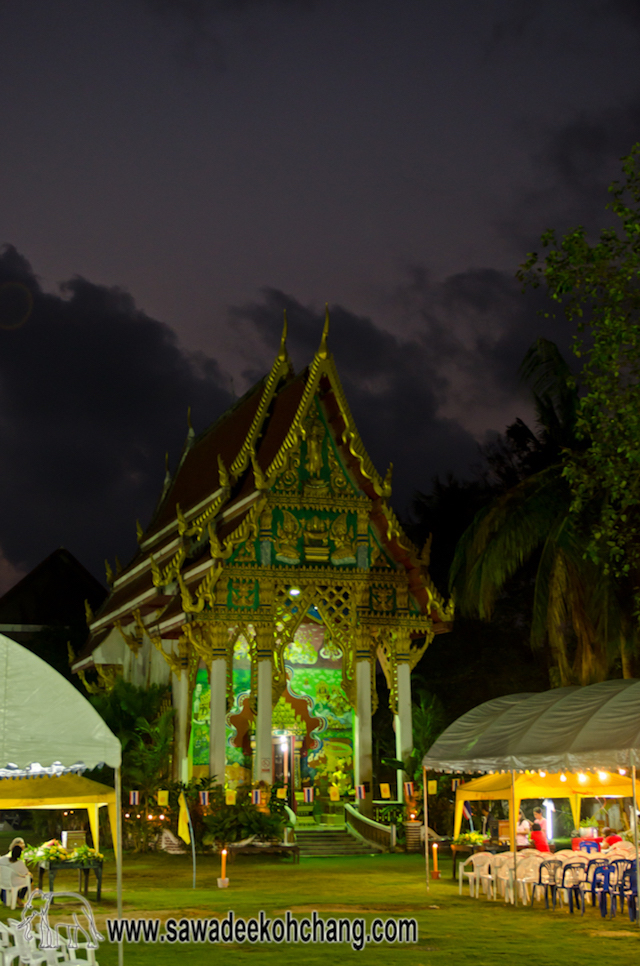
(92,394)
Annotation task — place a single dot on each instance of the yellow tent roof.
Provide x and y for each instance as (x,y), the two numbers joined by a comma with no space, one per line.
(533,785)
(67,791)
(497,787)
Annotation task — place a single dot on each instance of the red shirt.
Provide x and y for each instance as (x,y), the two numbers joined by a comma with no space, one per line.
(539,841)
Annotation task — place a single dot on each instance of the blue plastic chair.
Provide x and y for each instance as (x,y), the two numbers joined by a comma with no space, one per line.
(629,891)
(549,878)
(573,874)
(589,885)
(621,866)
(588,846)
(604,887)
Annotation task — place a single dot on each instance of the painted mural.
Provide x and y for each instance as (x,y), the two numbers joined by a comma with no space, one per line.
(314,690)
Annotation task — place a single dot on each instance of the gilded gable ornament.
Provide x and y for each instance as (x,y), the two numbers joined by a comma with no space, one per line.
(315,434)
(382,598)
(287,539)
(344,543)
(316,540)
(242,593)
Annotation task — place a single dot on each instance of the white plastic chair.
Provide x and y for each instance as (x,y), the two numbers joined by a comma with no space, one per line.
(502,876)
(7,944)
(527,874)
(11,891)
(32,955)
(479,862)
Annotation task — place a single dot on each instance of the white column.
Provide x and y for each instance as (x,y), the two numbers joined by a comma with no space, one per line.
(262,763)
(403,722)
(218,720)
(363,744)
(180,687)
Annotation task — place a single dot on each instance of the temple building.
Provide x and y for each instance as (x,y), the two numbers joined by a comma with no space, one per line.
(271,580)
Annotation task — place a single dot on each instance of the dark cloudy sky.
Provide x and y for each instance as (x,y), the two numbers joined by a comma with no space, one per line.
(175,172)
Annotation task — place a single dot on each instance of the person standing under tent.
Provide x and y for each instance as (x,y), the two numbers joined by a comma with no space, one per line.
(522,831)
(538,817)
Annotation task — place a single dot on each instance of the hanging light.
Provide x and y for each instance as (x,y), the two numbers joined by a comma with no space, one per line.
(294,591)
(563,778)
(603,776)
(543,774)
(582,778)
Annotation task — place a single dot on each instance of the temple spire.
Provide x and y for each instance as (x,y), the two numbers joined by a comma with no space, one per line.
(283,355)
(323,351)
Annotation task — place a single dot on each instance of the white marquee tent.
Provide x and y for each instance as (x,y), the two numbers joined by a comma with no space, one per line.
(48,728)
(567,729)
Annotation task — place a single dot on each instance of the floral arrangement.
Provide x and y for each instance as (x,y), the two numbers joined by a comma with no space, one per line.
(54,851)
(469,838)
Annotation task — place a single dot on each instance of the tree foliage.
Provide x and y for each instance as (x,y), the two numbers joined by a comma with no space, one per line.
(576,605)
(597,285)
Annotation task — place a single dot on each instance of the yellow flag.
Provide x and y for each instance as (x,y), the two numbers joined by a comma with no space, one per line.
(432,787)
(163,798)
(281,793)
(183,820)
(230,796)
(385,790)
(334,793)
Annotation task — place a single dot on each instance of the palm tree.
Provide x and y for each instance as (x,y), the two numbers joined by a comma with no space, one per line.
(577,608)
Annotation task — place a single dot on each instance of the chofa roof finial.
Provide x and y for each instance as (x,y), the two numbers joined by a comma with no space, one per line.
(323,351)
(282,354)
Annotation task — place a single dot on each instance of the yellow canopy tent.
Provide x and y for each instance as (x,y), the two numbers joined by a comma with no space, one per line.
(67,792)
(575,787)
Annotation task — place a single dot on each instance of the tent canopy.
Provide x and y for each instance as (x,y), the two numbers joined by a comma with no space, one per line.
(67,791)
(45,720)
(573,729)
(498,788)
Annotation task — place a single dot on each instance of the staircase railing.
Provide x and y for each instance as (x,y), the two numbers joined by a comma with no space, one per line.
(382,835)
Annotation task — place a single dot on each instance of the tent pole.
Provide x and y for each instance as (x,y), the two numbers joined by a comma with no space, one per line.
(514,837)
(425,809)
(118,784)
(635,837)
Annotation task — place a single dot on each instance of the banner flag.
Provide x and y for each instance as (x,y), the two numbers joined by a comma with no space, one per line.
(183,820)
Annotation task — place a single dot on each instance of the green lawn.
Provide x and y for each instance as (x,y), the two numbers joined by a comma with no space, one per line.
(452,928)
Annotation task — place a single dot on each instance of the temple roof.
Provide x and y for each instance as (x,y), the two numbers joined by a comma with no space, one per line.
(227,472)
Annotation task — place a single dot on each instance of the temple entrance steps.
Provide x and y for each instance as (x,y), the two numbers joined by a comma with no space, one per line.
(334,841)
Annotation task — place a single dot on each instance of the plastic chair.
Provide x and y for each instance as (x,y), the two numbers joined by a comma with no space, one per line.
(502,876)
(7,945)
(479,862)
(589,884)
(588,846)
(527,872)
(629,891)
(549,878)
(32,955)
(573,874)
(11,891)
(604,887)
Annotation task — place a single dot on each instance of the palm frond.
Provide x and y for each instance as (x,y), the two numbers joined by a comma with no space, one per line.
(502,538)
